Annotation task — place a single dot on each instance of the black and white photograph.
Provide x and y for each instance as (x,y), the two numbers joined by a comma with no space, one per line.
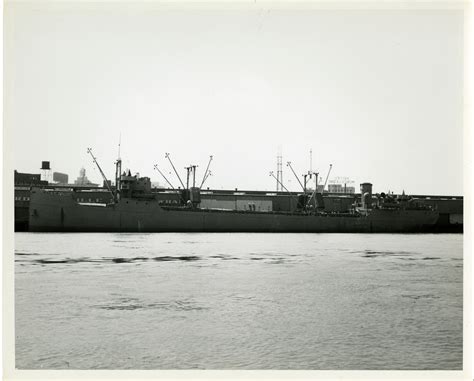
(236,186)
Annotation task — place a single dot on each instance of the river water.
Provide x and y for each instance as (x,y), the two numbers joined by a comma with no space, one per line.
(238,301)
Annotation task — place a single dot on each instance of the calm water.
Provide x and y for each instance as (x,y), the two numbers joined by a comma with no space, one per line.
(238,301)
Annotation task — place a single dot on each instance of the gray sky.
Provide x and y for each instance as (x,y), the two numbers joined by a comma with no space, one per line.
(377,93)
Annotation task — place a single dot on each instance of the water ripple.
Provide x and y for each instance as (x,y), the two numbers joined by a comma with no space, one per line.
(130,304)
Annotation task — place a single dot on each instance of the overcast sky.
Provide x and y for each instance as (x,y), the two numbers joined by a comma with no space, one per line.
(377,93)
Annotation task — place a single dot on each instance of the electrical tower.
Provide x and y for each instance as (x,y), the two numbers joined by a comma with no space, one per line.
(279,170)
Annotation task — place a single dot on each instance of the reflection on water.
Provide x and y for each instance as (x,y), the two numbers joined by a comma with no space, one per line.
(238,301)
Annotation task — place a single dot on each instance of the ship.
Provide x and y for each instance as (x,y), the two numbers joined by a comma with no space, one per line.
(133,207)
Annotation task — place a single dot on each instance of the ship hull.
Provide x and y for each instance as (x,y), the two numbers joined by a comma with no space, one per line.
(59,212)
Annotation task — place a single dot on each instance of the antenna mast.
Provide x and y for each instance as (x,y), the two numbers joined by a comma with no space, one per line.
(279,177)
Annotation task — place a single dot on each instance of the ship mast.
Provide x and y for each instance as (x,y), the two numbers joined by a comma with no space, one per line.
(314,193)
(191,170)
(194,175)
(118,170)
(188,169)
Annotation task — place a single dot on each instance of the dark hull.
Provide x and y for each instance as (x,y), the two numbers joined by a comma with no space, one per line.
(53,212)
(21,219)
